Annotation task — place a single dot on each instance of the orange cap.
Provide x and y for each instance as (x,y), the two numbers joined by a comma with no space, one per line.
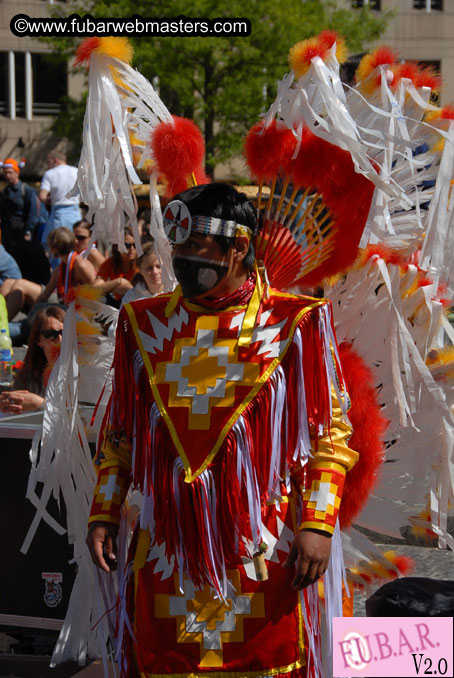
(10,162)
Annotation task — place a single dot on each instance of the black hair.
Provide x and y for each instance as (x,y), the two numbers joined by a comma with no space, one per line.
(223,201)
(82,223)
(348,69)
(116,254)
(144,213)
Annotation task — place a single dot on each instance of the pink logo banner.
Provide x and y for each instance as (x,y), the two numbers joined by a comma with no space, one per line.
(401,647)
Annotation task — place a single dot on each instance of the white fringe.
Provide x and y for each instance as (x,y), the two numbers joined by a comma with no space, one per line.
(278,401)
(303,446)
(244,465)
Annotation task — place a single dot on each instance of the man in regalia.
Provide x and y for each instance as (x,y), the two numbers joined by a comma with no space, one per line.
(229,414)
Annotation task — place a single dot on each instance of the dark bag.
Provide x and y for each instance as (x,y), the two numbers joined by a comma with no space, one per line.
(412,597)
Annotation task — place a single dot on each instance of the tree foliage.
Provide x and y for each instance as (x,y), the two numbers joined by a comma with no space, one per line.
(224,83)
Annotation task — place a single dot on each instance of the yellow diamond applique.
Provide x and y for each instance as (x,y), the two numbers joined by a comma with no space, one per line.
(204,373)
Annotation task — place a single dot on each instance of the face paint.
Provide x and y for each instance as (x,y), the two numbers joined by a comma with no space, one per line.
(197,275)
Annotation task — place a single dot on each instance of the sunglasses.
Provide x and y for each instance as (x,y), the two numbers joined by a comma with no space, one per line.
(128,245)
(51,334)
(81,237)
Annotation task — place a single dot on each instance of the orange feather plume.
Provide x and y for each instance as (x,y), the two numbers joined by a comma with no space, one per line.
(85,50)
(408,70)
(428,77)
(119,48)
(420,77)
(404,564)
(301,55)
(329,37)
(388,255)
(382,56)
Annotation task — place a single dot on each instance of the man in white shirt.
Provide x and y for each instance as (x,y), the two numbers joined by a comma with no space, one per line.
(58,181)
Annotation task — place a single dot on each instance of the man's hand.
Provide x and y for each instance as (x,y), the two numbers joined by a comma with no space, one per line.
(310,552)
(102,542)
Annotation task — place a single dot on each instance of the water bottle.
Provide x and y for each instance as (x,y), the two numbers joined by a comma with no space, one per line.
(6,361)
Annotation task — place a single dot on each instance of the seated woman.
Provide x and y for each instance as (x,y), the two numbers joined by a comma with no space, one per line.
(148,282)
(72,271)
(43,349)
(82,233)
(116,273)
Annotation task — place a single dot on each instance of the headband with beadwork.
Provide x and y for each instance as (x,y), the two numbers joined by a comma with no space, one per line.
(179,223)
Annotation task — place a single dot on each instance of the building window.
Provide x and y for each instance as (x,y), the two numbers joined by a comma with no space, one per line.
(3,83)
(428,5)
(19,70)
(373,4)
(50,83)
(31,84)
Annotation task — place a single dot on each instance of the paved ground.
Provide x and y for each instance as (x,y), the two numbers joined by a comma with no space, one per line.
(429,562)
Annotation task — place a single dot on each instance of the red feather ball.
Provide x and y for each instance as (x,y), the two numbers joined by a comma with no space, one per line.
(368,428)
(404,564)
(328,38)
(268,150)
(83,52)
(179,149)
(384,55)
(388,255)
(447,112)
(427,77)
(409,70)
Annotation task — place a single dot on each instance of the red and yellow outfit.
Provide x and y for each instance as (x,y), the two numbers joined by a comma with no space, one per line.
(235,446)
(107,271)
(65,278)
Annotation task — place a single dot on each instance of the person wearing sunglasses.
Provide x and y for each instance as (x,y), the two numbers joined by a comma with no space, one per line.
(30,382)
(117,272)
(73,269)
(148,282)
(82,234)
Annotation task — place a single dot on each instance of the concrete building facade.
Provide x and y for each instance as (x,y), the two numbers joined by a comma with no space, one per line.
(423,30)
(32,81)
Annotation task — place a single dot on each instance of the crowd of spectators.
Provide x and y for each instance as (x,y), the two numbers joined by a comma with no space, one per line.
(46,251)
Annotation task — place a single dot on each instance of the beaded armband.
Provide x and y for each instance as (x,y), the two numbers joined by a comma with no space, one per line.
(322,495)
(114,477)
(110,493)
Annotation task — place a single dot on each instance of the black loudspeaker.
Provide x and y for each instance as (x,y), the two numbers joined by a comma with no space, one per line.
(412,597)
(36,585)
